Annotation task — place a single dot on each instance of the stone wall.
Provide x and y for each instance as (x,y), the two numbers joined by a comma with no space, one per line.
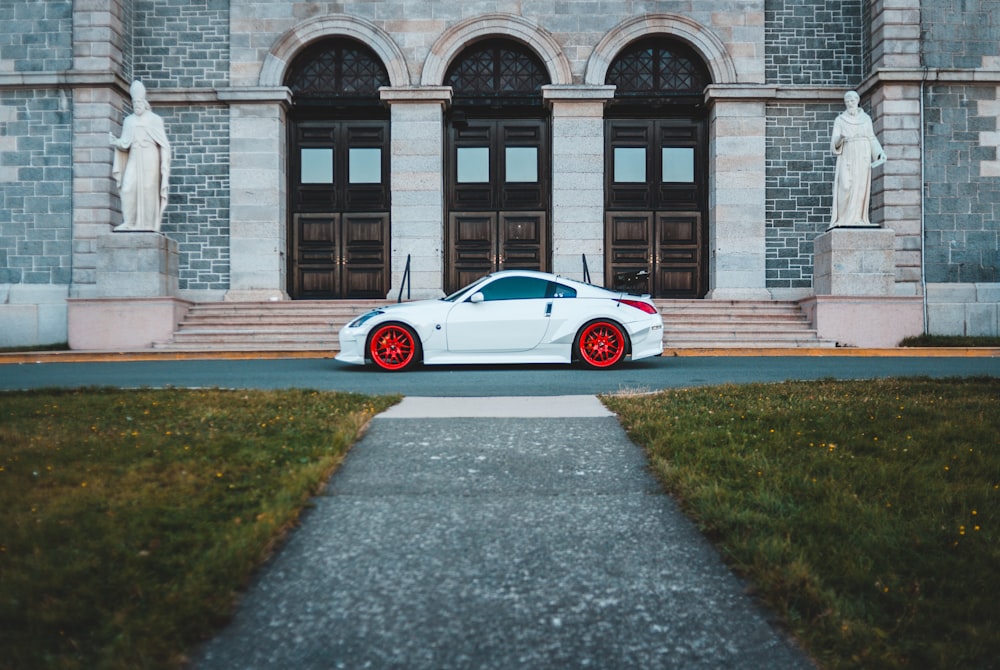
(576,25)
(814,42)
(197,215)
(962,176)
(36,35)
(960,34)
(799,189)
(36,186)
(181,43)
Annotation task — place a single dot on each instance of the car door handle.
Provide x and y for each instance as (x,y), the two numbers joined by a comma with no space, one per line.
(548,310)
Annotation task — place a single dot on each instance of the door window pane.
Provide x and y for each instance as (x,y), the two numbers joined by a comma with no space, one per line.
(473,165)
(522,164)
(678,165)
(630,165)
(317,166)
(365,166)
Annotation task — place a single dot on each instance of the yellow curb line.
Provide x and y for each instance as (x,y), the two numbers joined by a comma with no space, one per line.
(129,356)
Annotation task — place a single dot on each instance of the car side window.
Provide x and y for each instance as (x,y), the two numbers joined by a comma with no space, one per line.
(557,290)
(515,288)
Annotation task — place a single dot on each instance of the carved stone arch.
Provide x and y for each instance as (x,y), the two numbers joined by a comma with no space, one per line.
(701,39)
(461,35)
(286,47)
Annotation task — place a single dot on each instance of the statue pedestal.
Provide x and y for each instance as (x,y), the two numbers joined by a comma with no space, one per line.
(137,265)
(855,261)
(854,280)
(137,279)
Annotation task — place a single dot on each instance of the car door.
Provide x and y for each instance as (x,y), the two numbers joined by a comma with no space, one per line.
(513,315)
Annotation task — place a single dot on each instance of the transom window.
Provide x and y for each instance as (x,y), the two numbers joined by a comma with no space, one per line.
(655,67)
(495,70)
(339,68)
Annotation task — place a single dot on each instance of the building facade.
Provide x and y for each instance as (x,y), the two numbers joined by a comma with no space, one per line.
(322,149)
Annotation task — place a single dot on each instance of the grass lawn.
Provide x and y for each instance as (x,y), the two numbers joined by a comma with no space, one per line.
(866,513)
(131,518)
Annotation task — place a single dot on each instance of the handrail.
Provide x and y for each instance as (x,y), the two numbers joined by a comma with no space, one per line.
(586,270)
(405,282)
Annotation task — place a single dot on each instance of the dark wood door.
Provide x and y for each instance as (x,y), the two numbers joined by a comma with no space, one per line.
(655,207)
(498,198)
(339,210)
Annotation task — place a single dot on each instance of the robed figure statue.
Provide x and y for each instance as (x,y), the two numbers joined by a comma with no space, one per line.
(141,166)
(857,151)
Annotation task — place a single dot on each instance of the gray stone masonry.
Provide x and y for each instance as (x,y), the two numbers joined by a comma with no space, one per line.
(960,34)
(36,184)
(799,189)
(36,35)
(855,262)
(182,43)
(136,265)
(813,42)
(962,202)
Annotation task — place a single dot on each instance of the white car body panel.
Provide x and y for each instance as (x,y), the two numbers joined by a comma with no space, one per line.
(530,330)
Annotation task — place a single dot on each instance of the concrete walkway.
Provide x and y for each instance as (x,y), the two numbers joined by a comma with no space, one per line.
(497,533)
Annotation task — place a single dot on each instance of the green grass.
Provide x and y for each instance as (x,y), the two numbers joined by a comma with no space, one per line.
(131,518)
(949,341)
(866,513)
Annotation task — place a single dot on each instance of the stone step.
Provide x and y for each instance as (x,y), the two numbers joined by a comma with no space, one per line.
(313,325)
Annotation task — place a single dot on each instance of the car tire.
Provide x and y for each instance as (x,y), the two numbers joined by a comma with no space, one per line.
(393,347)
(601,344)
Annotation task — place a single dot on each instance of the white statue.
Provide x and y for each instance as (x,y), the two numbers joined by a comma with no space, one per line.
(857,151)
(141,165)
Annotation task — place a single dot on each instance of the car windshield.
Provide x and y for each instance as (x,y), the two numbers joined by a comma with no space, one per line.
(457,294)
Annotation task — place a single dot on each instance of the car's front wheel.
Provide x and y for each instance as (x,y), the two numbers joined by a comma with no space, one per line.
(393,347)
(601,344)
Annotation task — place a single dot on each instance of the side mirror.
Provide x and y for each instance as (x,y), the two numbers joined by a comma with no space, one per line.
(477,297)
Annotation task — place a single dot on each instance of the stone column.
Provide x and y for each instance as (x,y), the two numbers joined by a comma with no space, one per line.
(98,104)
(258,205)
(417,179)
(737,193)
(578,178)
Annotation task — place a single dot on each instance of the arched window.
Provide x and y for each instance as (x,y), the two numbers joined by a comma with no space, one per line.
(496,71)
(655,68)
(336,69)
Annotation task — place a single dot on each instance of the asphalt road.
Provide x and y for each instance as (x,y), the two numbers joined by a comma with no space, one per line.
(469,381)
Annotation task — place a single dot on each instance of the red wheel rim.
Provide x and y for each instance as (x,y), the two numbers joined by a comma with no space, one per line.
(602,345)
(392,347)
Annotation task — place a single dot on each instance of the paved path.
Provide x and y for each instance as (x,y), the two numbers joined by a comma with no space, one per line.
(497,533)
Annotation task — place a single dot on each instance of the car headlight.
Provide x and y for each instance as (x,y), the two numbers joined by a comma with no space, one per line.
(367,316)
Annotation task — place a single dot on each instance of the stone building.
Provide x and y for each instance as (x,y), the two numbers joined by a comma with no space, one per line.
(321,148)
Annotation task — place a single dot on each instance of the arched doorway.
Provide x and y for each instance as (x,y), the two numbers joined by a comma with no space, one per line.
(656,171)
(338,173)
(497,159)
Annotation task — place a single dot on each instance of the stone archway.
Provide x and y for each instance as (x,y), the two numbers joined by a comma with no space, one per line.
(496,25)
(286,47)
(704,41)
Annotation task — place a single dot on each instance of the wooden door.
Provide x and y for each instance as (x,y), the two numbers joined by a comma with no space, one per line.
(498,198)
(339,210)
(655,207)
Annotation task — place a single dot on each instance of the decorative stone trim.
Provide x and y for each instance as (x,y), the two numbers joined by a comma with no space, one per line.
(720,63)
(496,25)
(286,47)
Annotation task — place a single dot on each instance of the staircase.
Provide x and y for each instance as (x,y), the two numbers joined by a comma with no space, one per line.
(304,325)
(285,325)
(693,324)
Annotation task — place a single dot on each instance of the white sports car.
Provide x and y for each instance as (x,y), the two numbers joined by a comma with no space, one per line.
(513,316)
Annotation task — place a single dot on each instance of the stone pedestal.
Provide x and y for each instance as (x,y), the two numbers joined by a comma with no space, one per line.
(855,261)
(137,277)
(854,279)
(137,265)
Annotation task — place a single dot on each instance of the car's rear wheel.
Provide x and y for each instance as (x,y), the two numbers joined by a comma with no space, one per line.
(601,344)
(393,347)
